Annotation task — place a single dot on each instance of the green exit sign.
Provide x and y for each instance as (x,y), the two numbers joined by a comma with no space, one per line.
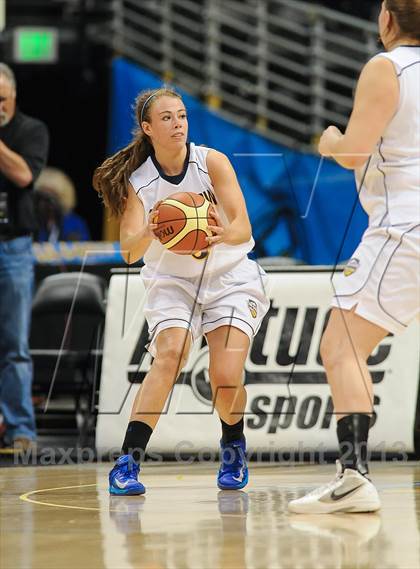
(35,45)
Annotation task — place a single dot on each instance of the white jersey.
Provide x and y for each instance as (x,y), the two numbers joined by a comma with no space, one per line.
(390,194)
(151,185)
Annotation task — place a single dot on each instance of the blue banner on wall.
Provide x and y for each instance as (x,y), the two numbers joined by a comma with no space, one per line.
(299,205)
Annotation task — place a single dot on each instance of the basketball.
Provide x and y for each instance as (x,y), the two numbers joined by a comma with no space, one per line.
(182,223)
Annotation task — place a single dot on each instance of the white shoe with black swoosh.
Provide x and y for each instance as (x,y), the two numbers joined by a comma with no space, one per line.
(350,492)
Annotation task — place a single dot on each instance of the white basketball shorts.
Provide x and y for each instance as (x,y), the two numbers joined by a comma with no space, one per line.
(235,297)
(382,279)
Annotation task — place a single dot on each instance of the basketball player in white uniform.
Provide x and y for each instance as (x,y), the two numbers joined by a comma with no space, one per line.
(379,290)
(218,292)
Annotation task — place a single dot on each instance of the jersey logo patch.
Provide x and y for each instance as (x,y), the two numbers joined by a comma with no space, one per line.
(252,308)
(351,267)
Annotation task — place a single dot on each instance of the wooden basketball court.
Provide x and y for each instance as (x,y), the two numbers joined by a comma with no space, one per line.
(62,517)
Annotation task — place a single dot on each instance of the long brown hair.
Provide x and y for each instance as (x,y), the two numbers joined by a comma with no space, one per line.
(111,178)
(407,14)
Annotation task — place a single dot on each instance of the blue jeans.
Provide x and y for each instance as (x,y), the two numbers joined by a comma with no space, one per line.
(16,288)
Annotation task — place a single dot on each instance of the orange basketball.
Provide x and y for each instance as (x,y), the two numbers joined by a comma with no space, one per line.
(182,223)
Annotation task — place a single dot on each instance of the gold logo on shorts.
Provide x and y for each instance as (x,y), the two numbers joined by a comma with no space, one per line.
(200,255)
(252,308)
(351,267)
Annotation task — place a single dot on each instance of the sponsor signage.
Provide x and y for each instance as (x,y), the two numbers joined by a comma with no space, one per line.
(289,404)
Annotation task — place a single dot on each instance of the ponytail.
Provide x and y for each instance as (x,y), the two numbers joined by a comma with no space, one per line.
(407,14)
(111,178)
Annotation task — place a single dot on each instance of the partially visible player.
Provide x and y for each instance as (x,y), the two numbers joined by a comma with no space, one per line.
(217,292)
(379,290)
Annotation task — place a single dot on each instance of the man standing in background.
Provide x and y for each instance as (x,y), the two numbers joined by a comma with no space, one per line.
(23,153)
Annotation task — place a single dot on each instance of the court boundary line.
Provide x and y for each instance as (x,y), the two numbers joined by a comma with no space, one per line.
(25,498)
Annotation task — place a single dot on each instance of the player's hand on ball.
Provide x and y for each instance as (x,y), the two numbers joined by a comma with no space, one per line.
(152,220)
(328,138)
(218,229)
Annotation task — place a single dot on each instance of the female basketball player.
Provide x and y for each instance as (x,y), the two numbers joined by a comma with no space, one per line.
(379,290)
(218,293)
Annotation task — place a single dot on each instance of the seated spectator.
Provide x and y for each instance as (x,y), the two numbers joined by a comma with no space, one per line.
(55,200)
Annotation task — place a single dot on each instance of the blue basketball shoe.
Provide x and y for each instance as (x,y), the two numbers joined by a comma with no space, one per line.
(123,478)
(233,472)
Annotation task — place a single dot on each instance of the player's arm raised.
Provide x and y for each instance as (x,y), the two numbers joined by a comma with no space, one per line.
(376,102)
(136,230)
(229,195)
